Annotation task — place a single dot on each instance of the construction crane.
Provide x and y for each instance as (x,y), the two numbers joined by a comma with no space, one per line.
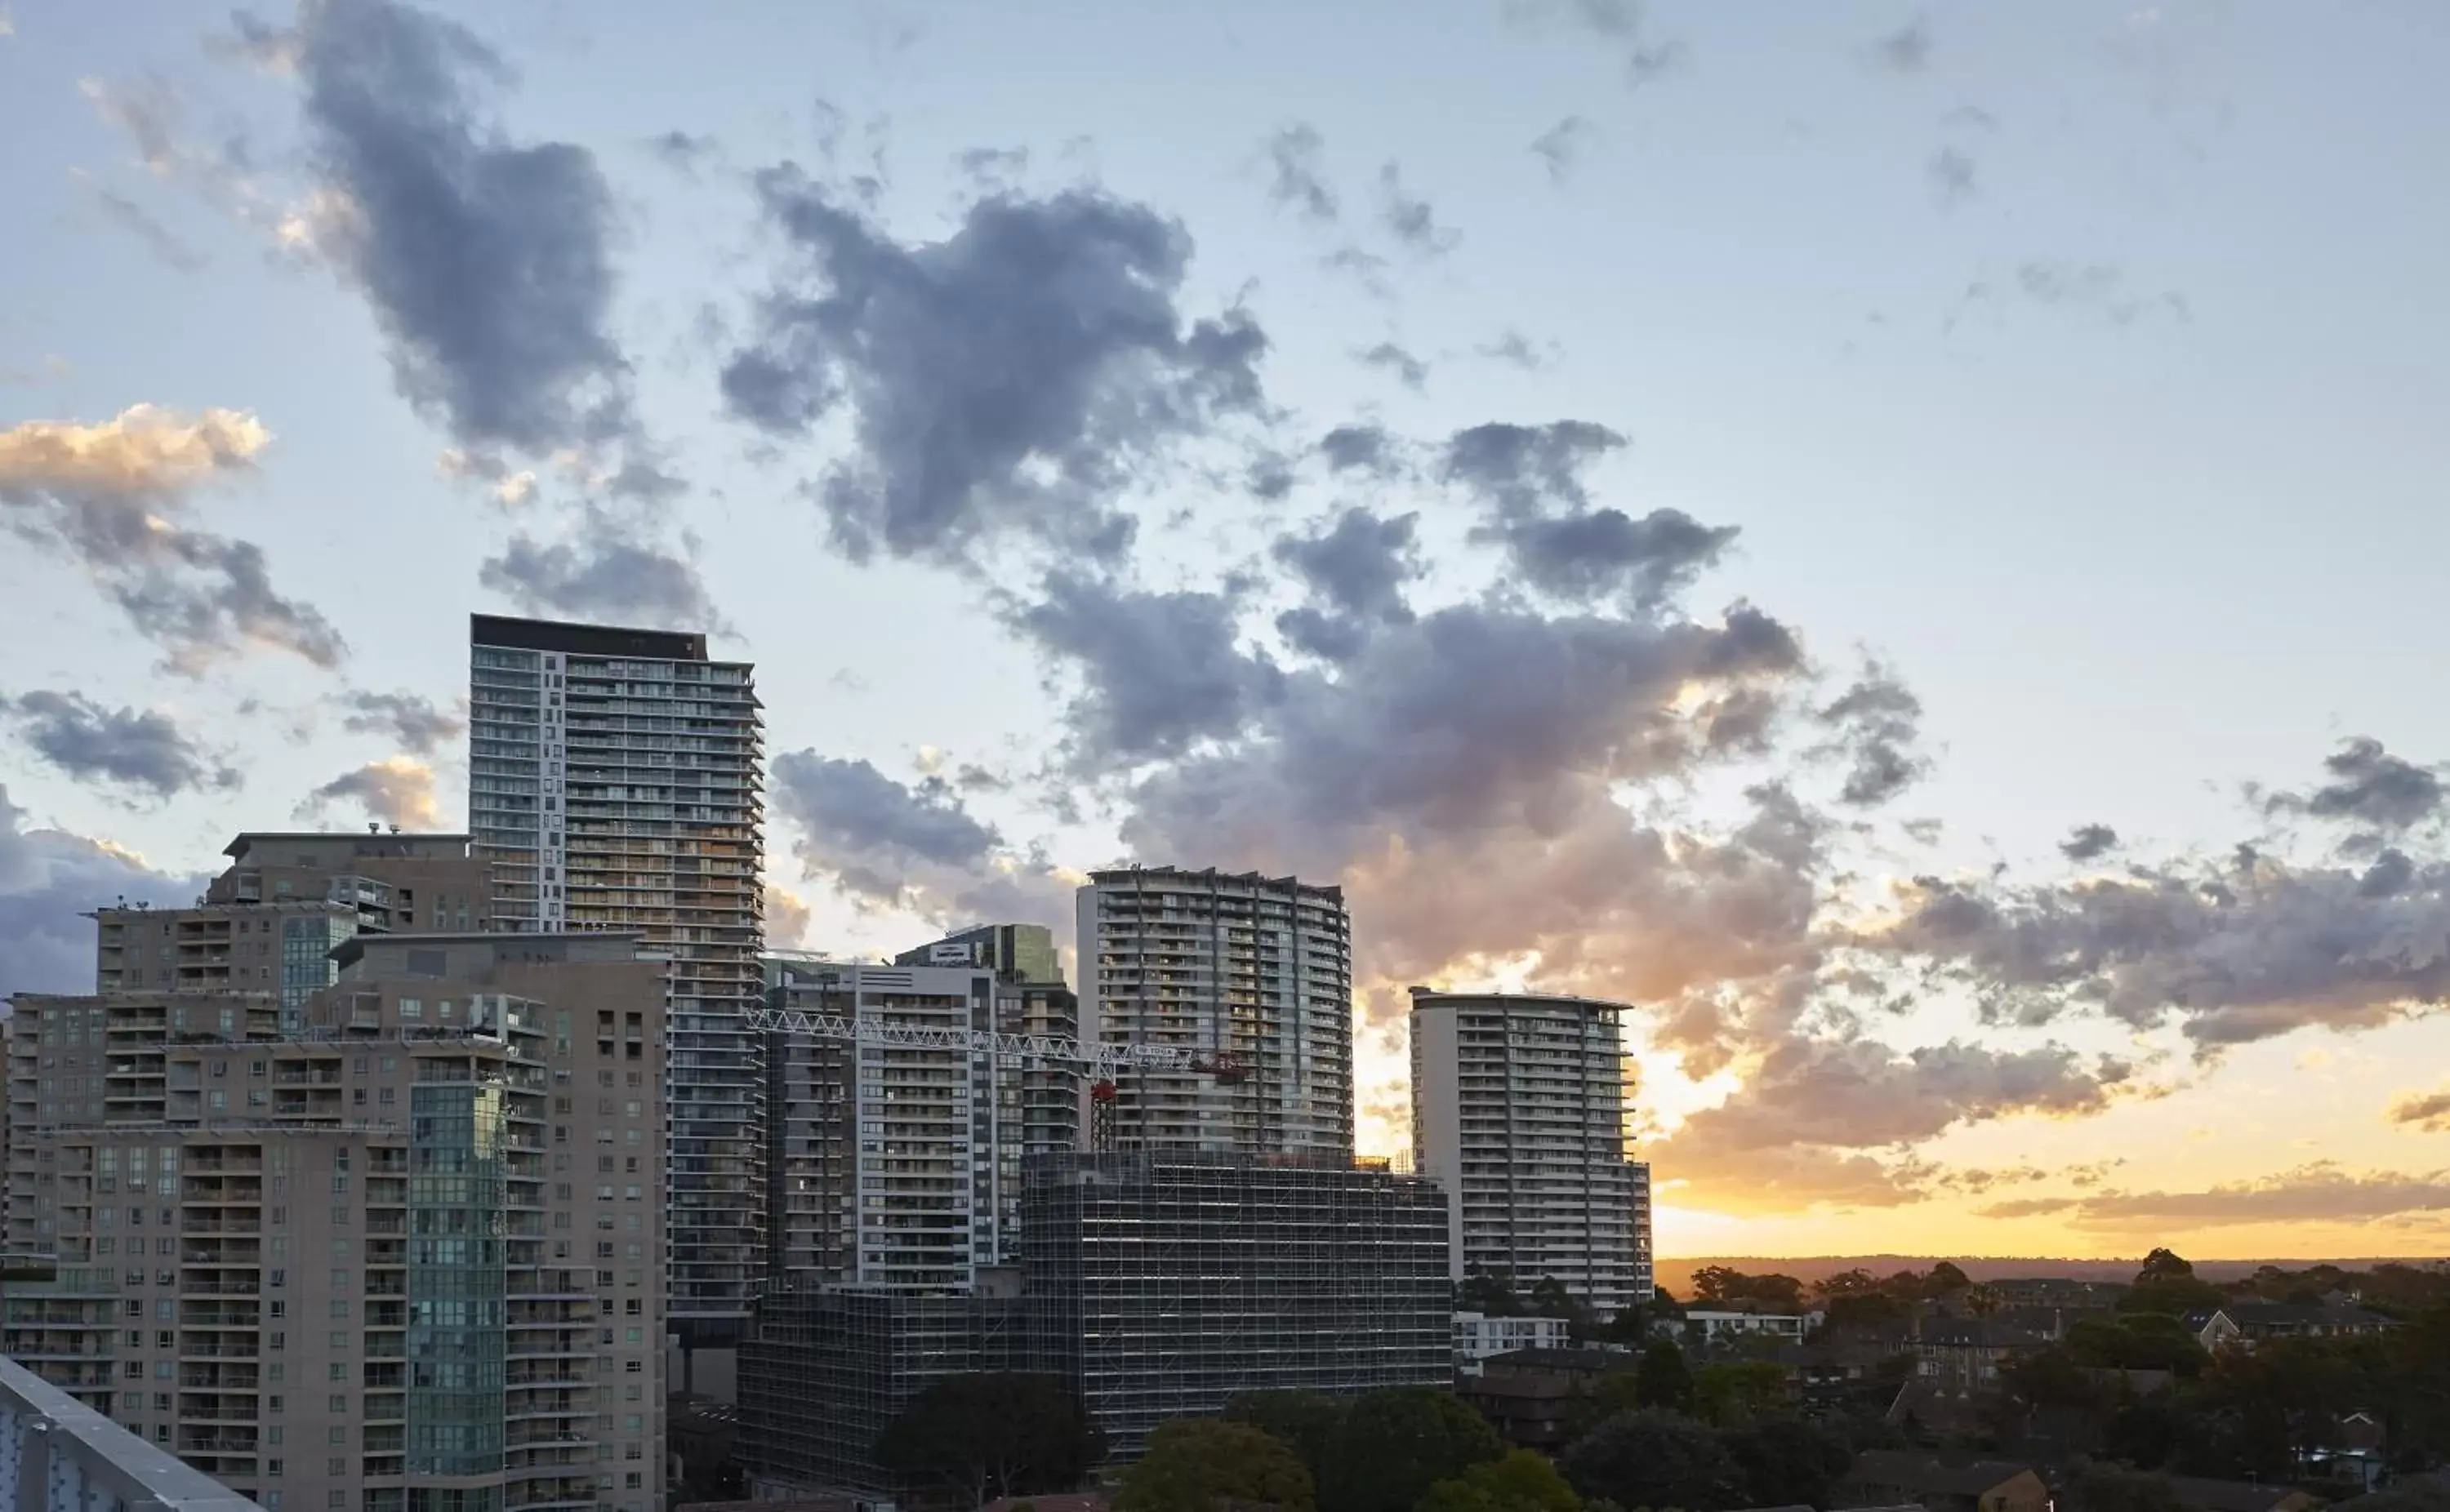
(1103,1060)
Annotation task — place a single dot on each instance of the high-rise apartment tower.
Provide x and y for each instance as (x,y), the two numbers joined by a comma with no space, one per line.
(1253,976)
(1519,1112)
(615,781)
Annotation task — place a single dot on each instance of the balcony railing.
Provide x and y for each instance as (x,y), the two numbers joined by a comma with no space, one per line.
(65,1456)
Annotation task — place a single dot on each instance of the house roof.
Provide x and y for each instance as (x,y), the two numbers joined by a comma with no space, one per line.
(1573,1362)
(2228,1496)
(2248,1313)
(1978,1333)
(1925,1474)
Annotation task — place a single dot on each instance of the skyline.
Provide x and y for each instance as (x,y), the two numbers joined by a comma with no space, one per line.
(1835,532)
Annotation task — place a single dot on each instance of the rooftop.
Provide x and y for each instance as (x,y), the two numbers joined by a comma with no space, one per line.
(585,640)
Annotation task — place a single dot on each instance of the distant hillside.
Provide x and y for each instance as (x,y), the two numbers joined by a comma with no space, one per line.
(1677,1275)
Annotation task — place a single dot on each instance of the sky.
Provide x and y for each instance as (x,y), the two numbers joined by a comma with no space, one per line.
(1901,542)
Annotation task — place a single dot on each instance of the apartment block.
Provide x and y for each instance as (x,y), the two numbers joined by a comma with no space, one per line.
(895,1158)
(1013,952)
(361,1261)
(1253,976)
(1519,1114)
(1163,1283)
(615,782)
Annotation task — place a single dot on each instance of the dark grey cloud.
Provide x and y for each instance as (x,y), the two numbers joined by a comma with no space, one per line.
(1562,145)
(48,880)
(486,261)
(1528,470)
(398,793)
(1356,570)
(1955,176)
(2233,952)
(1011,378)
(1906,49)
(2088,843)
(145,750)
(1160,672)
(1388,357)
(2368,786)
(851,807)
(112,498)
(1410,219)
(1877,722)
(1364,448)
(1299,181)
(165,244)
(601,573)
(417,722)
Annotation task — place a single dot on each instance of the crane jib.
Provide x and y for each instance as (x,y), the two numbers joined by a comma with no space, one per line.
(1095,1055)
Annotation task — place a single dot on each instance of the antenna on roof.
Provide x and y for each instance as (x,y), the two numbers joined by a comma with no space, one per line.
(394,829)
(374,829)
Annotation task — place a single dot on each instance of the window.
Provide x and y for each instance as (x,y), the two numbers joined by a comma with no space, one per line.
(340,1371)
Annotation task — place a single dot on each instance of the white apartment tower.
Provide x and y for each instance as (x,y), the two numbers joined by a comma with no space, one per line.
(1519,1112)
(615,782)
(1253,976)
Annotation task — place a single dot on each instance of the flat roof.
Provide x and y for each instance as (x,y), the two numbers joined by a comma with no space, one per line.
(251,836)
(586,640)
(1433,997)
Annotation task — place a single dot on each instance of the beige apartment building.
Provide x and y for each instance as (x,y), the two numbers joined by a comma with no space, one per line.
(395,1248)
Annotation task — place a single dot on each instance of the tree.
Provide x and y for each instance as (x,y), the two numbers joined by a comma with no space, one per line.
(1306,1421)
(1549,1299)
(1205,1465)
(2165,1265)
(1663,1379)
(1394,1444)
(1728,1391)
(1489,1294)
(1945,1277)
(1854,1283)
(1653,1459)
(2135,1341)
(1788,1461)
(992,1434)
(1522,1481)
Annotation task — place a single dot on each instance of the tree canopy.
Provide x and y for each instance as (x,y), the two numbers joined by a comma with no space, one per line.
(1663,1379)
(1650,1458)
(992,1434)
(1207,1464)
(1521,1481)
(1392,1444)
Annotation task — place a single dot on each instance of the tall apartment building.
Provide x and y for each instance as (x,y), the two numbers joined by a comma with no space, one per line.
(1646,1272)
(1519,1112)
(897,1164)
(616,782)
(1014,952)
(1252,974)
(347,1255)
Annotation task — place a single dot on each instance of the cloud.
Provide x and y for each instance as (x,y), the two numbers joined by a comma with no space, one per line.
(1160,671)
(1362,448)
(1530,478)
(110,497)
(1409,218)
(1010,378)
(683,152)
(2428,1112)
(2233,952)
(2025,1207)
(486,261)
(2094,289)
(139,223)
(2370,786)
(93,743)
(786,919)
(398,793)
(1355,572)
(1955,176)
(48,880)
(2088,843)
(1758,1182)
(1515,349)
(414,722)
(509,487)
(1388,357)
(1299,182)
(1877,722)
(1617,22)
(1906,49)
(891,844)
(2320,1193)
(600,573)
(1562,145)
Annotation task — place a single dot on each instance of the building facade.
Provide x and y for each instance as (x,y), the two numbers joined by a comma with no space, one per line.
(896,1161)
(1013,952)
(1161,1284)
(355,1261)
(1253,976)
(1519,1114)
(615,782)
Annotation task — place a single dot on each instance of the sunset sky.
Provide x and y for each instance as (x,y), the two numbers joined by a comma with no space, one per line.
(1905,542)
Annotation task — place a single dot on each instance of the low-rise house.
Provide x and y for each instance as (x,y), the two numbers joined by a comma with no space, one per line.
(1900,1476)
(1479,1336)
(1535,1398)
(2197,1494)
(2246,1323)
(1968,1352)
(1715,1325)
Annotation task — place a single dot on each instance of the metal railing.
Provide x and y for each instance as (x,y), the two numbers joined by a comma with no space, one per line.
(58,1455)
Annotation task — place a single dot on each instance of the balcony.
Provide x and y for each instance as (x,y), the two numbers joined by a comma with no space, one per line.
(70,1456)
